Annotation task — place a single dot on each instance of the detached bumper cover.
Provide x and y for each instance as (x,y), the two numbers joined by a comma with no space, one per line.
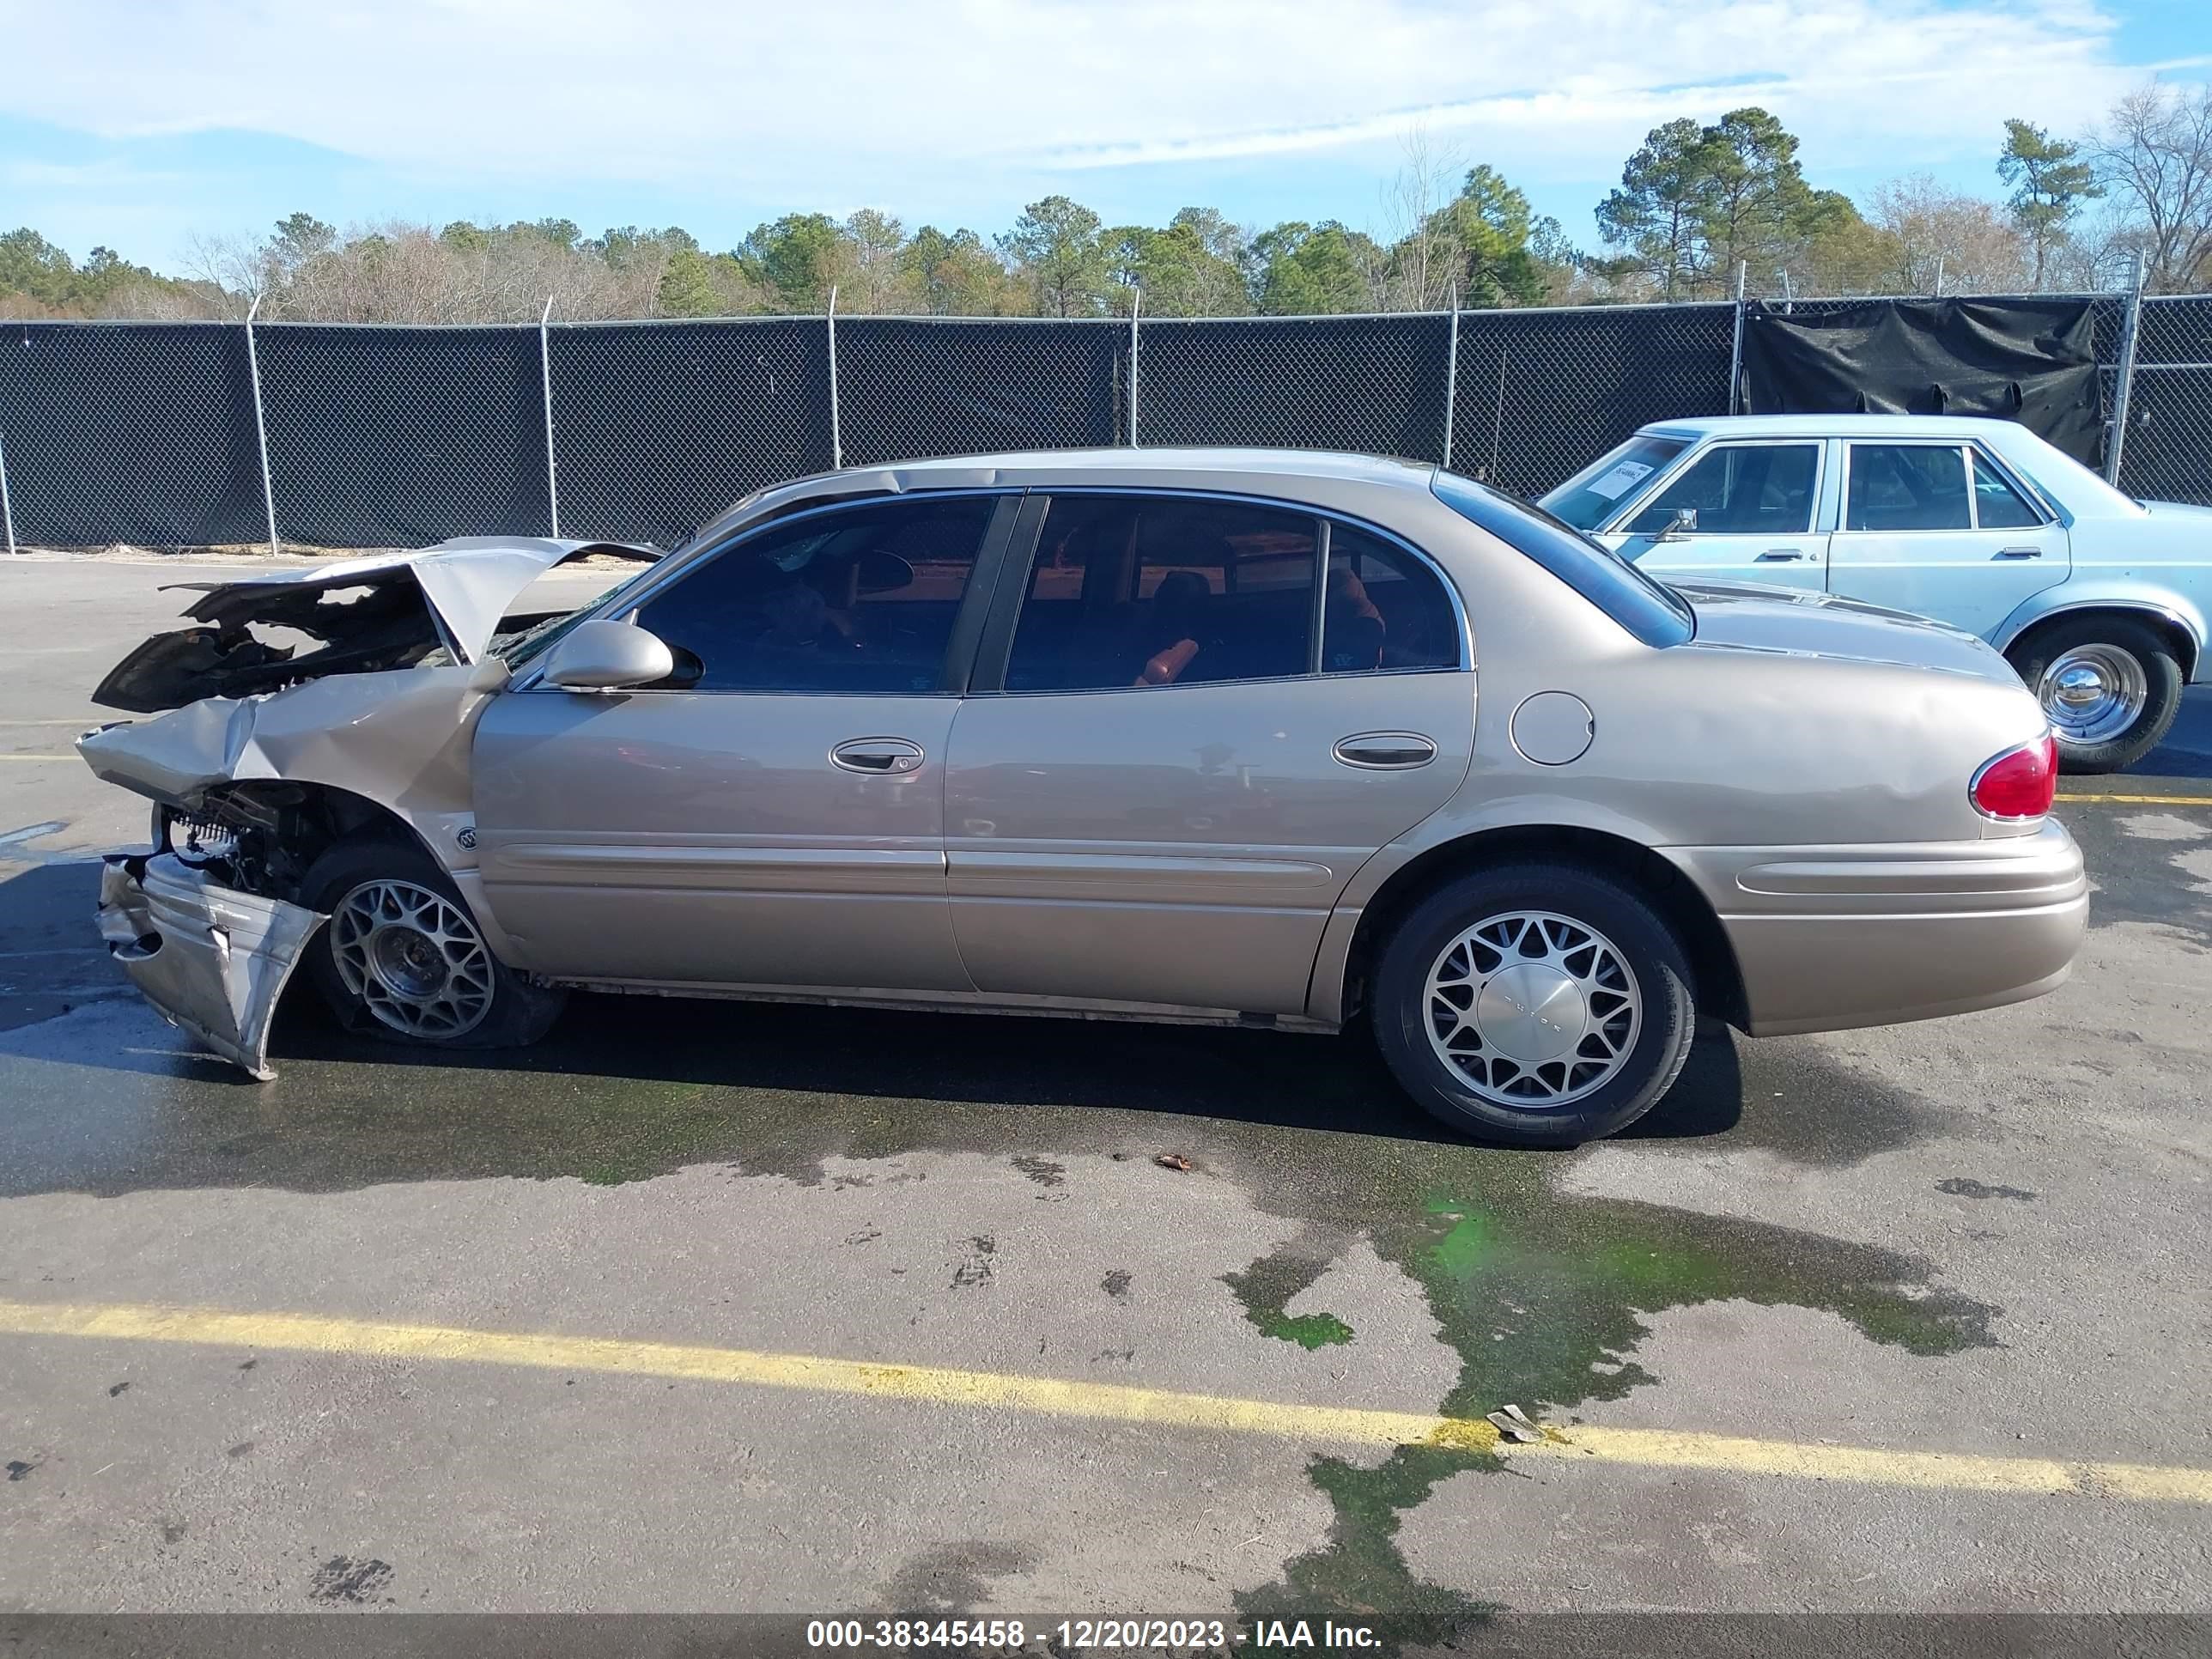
(210,959)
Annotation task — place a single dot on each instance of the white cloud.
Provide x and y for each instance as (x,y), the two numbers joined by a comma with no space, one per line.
(873,99)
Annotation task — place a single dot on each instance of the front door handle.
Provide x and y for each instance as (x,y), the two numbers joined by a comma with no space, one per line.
(1781,554)
(2019,552)
(876,756)
(1378,751)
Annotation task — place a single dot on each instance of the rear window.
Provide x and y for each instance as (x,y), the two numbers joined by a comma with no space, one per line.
(1653,613)
(1594,494)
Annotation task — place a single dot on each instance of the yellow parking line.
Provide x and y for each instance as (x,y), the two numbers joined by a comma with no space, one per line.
(2143,801)
(1056,1397)
(64,755)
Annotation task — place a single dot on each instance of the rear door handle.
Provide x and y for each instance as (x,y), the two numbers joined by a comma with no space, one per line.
(1379,751)
(877,755)
(1780,555)
(2019,552)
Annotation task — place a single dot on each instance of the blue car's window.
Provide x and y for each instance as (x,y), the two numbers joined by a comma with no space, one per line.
(1907,487)
(1740,490)
(1997,505)
(1654,614)
(1594,494)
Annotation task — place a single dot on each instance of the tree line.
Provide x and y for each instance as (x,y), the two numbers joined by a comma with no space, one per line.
(1698,206)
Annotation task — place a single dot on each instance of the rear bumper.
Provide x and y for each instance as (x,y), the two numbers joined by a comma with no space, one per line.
(1835,937)
(210,959)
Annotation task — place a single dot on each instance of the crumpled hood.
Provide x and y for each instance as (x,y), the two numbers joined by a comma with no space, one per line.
(365,615)
(1750,617)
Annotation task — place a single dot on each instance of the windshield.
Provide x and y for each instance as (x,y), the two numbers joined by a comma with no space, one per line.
(1589,498)
(1653,613)
(530,643)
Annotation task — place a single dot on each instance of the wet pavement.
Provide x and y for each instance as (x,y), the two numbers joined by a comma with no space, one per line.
(1984,1235)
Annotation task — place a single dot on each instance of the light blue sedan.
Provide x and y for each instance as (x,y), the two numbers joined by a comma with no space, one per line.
(2099,600)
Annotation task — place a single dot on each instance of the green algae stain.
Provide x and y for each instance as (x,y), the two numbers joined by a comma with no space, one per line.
(1359,1574)
(1544,1298)
(1265,1289)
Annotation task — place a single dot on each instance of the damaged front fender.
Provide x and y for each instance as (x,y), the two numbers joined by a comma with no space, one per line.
(210,958)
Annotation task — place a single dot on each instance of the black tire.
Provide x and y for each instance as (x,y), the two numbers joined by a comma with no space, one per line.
(1653,1057)
(2162,679)
(519,1012)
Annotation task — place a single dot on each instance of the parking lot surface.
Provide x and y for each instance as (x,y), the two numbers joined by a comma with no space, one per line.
(1860,1321)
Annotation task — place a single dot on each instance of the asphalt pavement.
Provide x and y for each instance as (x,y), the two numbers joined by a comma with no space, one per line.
(808,1310)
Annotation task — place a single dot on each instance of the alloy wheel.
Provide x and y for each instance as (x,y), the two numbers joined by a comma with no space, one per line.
(414,958)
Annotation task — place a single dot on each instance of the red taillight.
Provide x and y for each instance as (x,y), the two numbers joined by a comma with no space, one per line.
(2018,783)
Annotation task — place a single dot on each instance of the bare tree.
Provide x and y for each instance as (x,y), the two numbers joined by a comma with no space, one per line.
(1928,229)
(2153,156)
(1418,241)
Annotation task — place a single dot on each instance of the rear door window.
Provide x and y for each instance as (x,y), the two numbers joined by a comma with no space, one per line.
(1898,486)
(1741,489)
(1150,590)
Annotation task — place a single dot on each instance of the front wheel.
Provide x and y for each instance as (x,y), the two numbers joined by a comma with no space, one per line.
(401,957)
(2109,686)
(1536,1004)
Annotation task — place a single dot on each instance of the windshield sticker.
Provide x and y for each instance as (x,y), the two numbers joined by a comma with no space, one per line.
(1616,484)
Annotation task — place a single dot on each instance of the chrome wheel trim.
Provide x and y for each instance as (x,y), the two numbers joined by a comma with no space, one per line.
(2093,693)
(1532,1010)
(413,957)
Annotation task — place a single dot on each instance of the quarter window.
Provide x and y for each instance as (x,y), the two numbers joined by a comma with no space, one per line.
(1741,489)
(1997,505)
(857,601)
(1384,608)
(1907,487)
(1156,591)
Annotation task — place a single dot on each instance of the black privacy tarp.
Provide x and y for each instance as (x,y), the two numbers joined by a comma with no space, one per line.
(2030,360)
(130,432)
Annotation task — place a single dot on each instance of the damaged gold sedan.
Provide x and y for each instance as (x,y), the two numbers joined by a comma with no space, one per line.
(1255,738)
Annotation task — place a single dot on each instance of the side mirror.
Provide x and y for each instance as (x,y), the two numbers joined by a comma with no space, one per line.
(1681,526)
(606,656)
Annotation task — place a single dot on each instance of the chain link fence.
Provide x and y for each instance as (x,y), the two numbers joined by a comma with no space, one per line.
(2166,451)
(178,435)
(1539,394)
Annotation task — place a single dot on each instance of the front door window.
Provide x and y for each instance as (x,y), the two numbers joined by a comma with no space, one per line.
(860,601)
(1741,489)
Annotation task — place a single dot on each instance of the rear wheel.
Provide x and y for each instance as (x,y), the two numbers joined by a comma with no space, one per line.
(1536,1004)
(401,957)
(2110,687)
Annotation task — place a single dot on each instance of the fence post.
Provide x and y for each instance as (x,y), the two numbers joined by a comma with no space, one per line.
(260,425)
(1451,375)
(2126,378)
(836,439)
(1735,350)
(1136,304)
(546,368)
(6,507)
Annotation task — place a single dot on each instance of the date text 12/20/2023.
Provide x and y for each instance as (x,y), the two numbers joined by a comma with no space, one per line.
(1013,1636)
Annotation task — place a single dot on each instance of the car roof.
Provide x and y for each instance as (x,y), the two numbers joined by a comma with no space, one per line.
(1833,426)
(1323,477)
(1035,464)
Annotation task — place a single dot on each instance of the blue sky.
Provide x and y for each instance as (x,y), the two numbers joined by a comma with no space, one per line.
(141,126)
